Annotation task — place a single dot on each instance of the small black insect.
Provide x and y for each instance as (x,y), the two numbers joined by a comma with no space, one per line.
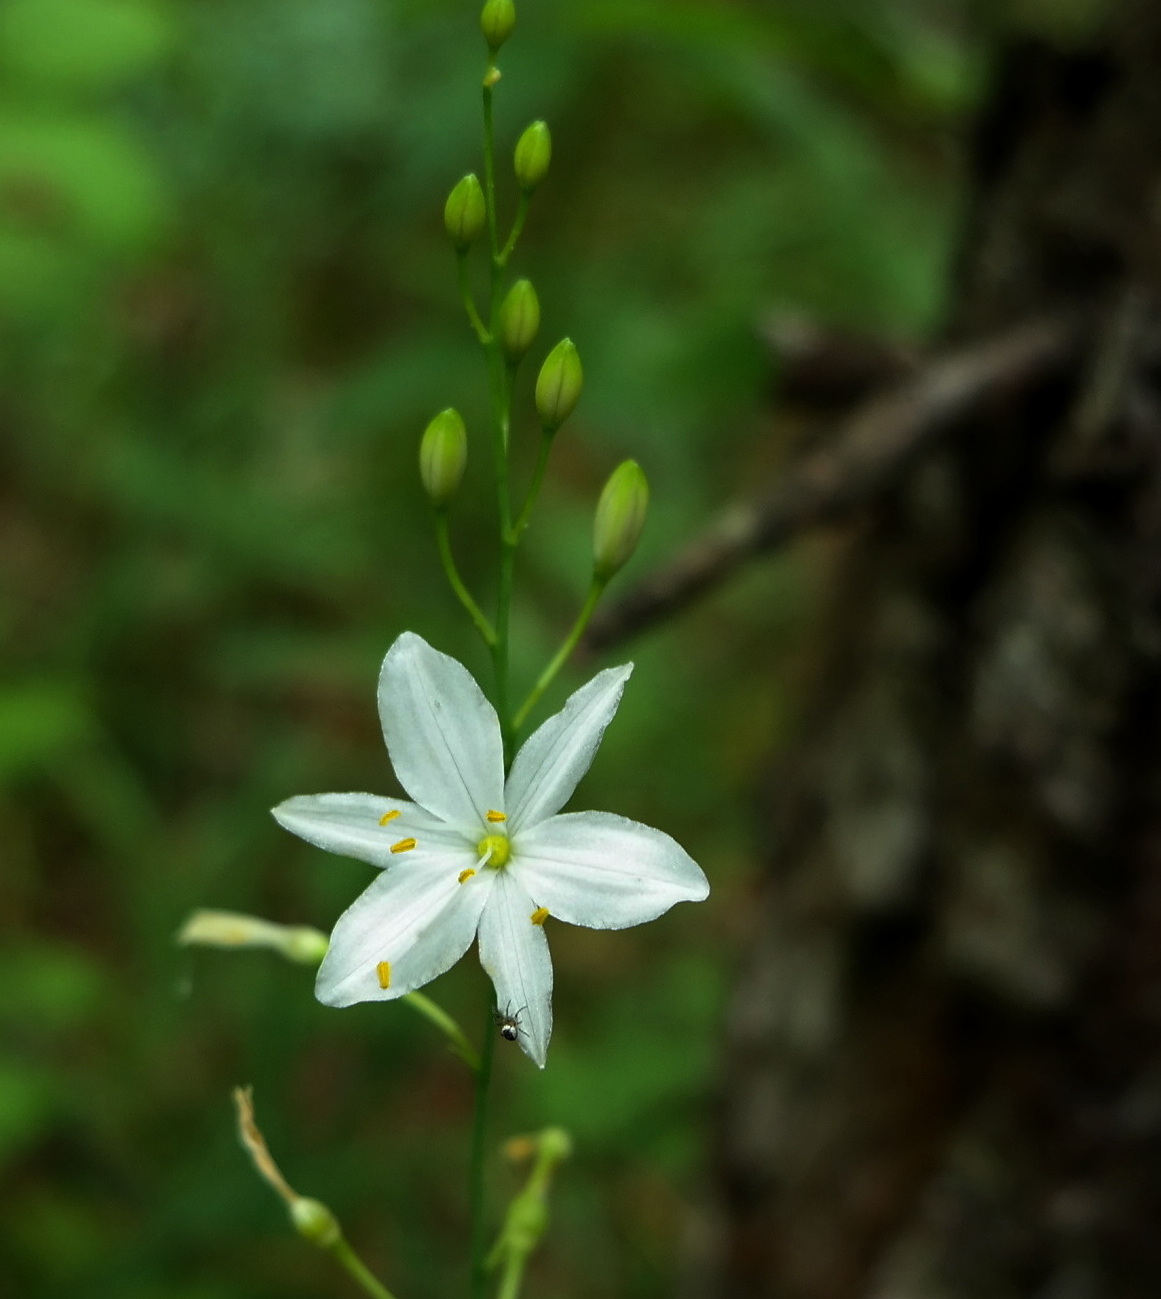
(509,1023)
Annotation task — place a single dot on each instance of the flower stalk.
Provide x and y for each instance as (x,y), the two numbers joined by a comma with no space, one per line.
(562,655)
(527,1216)
(477,1163)
(310,1218)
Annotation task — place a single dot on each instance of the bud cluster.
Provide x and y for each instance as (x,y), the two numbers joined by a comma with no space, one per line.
(509,334)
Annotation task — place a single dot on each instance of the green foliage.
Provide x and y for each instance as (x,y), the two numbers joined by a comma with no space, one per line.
(227,310)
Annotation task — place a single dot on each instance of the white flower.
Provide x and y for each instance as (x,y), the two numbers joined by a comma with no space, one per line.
(478,854)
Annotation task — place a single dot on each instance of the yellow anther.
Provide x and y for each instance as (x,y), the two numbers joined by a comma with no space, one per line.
(466,875)
(389,816)
(494,850)
(383,970)
(495,817)
(404,845)
(539,916)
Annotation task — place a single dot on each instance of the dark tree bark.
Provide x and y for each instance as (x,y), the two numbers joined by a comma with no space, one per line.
(942,1073)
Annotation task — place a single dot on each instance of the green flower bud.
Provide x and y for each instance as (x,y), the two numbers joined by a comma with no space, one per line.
(497,21)
(465,212)
(443,452)
(555,1143)
(519,320)
(619,519)
(533,154)
(558,386)
(316,1222)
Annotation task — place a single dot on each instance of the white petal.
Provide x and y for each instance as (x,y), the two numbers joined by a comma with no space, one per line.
(416,916)
(514,954)
(556,755)
(351,825)
(442,734)
(604,871)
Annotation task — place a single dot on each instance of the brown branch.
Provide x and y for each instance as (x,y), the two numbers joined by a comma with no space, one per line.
(864,458)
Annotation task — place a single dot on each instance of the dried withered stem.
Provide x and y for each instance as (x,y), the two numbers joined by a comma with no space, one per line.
(866,456)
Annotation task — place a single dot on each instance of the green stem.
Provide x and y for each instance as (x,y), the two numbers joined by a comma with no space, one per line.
(562,654)
(499,643)
(517,227)
(479,1240)
(501,410)
(483,626)
(490,78)
(436,1015)
(469,299)
(513,1275)
(533,488)
(359,1270)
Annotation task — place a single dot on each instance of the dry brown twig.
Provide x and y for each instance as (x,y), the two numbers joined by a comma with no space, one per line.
(863,459)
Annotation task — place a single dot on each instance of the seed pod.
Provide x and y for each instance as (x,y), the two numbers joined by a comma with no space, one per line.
(519,320)
(496,22)
(465,212)
(619,519)
(558,386)
(443,453)
(533,154)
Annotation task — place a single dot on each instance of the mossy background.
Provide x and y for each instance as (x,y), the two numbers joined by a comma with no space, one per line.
(227,309)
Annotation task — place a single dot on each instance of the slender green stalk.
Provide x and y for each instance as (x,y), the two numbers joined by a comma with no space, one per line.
(483,626)
(501,410)
(311,1218)
(527,1216)
(499,643)
(479,1239)
(469,299)
(533,488)
(436,1015)
(562,654)
(359,1270)
(503,609)
(513,1275)
(517,228)
(490,78)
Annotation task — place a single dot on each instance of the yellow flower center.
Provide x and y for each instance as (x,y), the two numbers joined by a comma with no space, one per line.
(494,851)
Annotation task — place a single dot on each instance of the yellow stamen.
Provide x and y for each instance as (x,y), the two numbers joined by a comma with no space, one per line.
(539,916)
(404,845)
(493,851)
(383,970)
(466,875)
(389,816)
(495,817)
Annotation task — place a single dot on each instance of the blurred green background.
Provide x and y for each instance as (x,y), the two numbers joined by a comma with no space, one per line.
(227,309)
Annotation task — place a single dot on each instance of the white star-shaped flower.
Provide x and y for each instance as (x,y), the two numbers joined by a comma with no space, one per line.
(478,854)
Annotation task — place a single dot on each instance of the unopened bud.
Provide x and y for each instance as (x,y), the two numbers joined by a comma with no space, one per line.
(533,154)
(300,943)
(496,22)
(443,453)
(519,320)
(465,212)
(619,519)
(558,386)
(555,1143)
(315,1221)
